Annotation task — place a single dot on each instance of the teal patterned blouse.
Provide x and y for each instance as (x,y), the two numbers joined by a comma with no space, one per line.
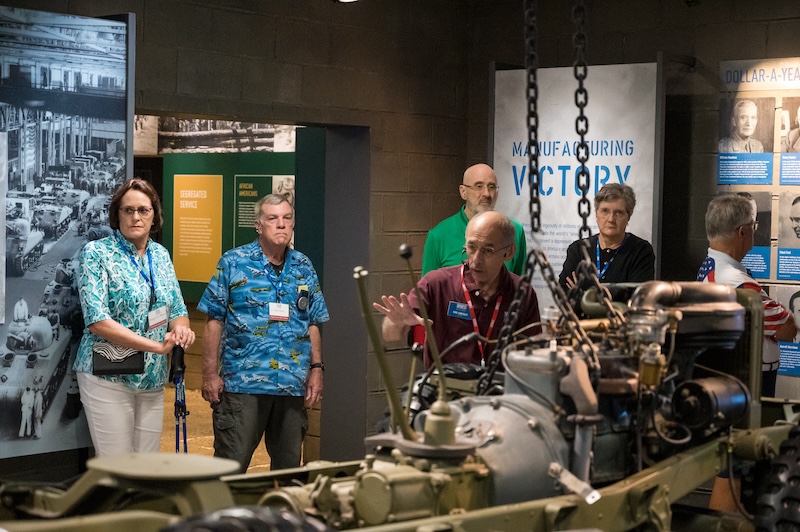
(111,285)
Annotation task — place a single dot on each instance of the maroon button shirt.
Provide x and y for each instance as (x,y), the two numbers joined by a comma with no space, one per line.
(442,287)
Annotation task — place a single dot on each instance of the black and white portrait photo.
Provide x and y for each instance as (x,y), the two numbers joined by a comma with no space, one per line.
(746,125)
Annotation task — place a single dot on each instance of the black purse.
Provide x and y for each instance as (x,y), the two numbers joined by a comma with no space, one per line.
(110,359)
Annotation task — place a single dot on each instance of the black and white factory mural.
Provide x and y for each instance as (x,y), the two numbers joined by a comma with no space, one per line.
(63,110)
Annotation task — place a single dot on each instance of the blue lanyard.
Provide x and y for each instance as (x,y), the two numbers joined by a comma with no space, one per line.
(150,282)
(602,273)
(278,287)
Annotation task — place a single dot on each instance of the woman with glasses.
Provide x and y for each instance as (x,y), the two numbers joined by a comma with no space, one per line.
(130,298)
(620,257)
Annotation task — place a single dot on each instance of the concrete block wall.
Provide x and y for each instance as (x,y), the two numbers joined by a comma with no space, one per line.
(416,72)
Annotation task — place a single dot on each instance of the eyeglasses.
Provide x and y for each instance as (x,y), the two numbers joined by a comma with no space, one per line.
(489,251)
(144,212)
(754,223)
(491,187)
(605,213)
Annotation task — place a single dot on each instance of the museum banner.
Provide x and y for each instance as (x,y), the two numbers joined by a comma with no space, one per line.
(622,138)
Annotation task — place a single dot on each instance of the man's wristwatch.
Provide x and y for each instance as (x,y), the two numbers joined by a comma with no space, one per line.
(315,365)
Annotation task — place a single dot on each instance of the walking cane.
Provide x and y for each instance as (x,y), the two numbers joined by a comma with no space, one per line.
(176,371)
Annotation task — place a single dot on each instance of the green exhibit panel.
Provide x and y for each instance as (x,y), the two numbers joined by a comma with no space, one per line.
(209,201)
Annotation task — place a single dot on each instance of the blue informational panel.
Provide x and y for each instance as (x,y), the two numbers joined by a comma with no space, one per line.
(789,236)
(746,131)
(760,128)
(788,296)
(790,359)
(790,169)
(789,264)
(758,262)
(744,168)
(759,136)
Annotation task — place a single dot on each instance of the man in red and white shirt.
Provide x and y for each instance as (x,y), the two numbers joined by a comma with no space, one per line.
(730,224)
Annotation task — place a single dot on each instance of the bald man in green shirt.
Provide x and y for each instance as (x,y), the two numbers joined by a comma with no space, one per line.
(445,243)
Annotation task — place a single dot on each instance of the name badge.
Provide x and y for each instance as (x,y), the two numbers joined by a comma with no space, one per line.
(157,317)
(458,310)
(279,311)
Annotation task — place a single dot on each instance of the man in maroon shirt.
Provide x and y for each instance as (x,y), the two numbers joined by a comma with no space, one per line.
(471,297)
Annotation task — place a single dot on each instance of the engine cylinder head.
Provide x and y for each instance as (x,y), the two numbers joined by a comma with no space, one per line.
(536,373)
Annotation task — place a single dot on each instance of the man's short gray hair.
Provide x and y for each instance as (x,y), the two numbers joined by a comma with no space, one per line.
(615,191)
(725,214)
(270,199)
(508,231)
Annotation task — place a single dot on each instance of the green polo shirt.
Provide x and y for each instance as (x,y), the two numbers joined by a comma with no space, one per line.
(445,245)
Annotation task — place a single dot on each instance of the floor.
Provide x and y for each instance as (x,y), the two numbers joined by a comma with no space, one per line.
(199,433)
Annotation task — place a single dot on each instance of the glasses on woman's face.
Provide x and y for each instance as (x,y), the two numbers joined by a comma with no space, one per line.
(605,212)
(144,212)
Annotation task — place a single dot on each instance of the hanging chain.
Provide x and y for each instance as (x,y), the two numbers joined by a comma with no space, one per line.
(587,269)
(534,205)
(505,334)
(569,319)
(580,71)
(532,94)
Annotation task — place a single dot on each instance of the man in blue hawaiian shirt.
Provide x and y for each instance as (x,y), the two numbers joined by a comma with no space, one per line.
(262,345)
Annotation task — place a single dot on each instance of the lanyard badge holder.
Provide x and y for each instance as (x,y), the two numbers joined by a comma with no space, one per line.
(176,371)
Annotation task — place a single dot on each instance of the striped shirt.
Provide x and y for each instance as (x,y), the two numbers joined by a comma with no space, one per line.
(720,267)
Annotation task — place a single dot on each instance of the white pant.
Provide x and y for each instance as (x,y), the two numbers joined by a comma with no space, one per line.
(121,419)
